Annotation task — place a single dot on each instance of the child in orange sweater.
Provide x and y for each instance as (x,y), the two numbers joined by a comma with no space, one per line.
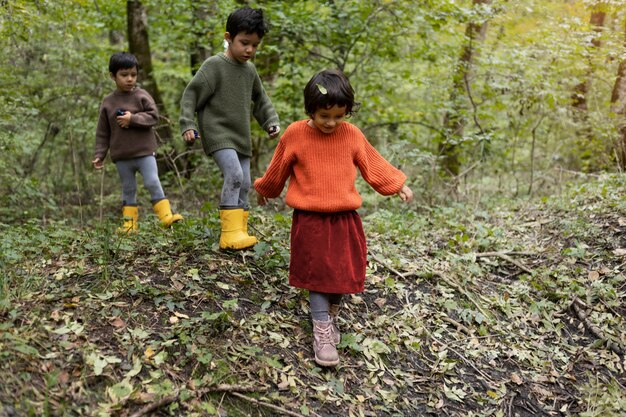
(320,157)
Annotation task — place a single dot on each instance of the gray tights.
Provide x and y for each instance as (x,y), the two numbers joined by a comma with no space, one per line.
(147,166)
(236,171)
(319,304)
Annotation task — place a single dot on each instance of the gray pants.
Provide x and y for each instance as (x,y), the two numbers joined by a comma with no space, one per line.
(147,166)
(236,171)
(319,303)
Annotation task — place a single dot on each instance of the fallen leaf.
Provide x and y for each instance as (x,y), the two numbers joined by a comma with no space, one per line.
(177,284)
(173,320)
(516,379)
(181,315)
(117,322)
(356,299)
(593,275)
(543,392)
(380,302)
(149,352)
(619,252)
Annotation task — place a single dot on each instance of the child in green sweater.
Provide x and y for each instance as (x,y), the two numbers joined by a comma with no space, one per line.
(221,93)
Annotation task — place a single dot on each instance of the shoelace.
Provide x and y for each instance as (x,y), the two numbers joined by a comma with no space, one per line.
(325,335)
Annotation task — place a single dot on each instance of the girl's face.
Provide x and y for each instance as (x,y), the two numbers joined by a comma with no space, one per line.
(243,46)
(125,79)
(328,120)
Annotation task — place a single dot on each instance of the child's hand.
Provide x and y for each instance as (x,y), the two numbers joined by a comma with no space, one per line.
(405,194)
(124,120)
(273,131)
(261,200)
(98,163)
(190,135)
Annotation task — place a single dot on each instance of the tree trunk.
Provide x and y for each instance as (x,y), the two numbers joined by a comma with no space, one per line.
(579,98)
(137,26)
(200,48)
(453,121)
(618,106)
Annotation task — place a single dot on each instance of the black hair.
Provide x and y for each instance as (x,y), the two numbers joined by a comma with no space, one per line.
(122,60)
(328,88)
(247,20)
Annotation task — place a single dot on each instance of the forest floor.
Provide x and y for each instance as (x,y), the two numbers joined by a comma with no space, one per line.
(505,309)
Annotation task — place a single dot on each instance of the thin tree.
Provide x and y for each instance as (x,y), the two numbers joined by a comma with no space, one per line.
(453,121)
(581,90)
(618,106)
(201,48)
(139,45)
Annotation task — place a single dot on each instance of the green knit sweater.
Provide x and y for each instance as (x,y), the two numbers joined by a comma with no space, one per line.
(225,94)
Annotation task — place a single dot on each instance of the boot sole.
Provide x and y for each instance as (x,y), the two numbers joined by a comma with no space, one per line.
(326,363)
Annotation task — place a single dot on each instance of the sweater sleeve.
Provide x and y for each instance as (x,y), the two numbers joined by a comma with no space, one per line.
(195,96)
(148,116)
(103,134)
(263,109)
(279,170)
(377,171)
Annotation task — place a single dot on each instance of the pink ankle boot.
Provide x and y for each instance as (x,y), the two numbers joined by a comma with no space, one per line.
(324,344)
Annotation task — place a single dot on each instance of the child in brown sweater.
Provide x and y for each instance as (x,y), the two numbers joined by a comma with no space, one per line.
(125,129)
(320,157)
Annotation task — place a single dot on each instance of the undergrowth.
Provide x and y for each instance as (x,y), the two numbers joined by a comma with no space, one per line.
(496,309)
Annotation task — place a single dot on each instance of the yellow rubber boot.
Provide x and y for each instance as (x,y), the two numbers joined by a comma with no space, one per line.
(164,213)
(232,236)
(131,215)
(246,215)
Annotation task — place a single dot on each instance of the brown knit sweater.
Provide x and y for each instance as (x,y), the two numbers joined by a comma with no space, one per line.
(322,169)
(135,141)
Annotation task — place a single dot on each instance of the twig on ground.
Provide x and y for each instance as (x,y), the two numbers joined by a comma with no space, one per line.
(497,253)
(458,325)
(506,257)
(268,405)
(383,264)
(486,383)
(460,289)
(168,399)
(595,330)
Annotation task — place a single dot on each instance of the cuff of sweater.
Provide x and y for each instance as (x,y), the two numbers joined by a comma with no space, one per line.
(270,123)
(186,127)
(258,187)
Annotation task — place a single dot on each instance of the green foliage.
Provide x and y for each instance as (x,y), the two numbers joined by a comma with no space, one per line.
(130,319)
(400,57)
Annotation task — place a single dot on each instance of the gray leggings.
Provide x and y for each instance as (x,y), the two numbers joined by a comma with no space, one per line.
(319,304)
(236,171)
(147,166)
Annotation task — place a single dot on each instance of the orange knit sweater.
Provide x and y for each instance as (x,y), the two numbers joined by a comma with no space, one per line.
(322,169)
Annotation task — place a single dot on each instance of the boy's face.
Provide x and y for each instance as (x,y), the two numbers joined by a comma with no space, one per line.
(328,120)
(243,46)
(125,79)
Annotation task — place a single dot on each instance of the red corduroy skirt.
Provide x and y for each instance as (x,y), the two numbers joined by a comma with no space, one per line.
(328,252)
